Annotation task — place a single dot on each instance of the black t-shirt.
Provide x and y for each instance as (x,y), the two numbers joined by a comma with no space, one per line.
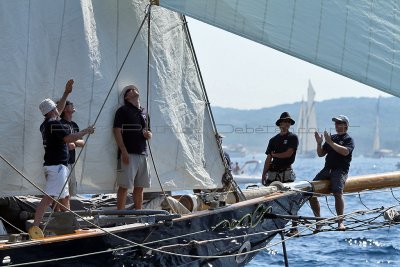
(333,159)
(132,122)
(281,143)
(73,128)
(55,149)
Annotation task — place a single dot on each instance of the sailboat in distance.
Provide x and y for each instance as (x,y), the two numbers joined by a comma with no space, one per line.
(307,125)
(377,151)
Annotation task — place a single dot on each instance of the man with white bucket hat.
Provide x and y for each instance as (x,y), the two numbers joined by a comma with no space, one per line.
(55,139)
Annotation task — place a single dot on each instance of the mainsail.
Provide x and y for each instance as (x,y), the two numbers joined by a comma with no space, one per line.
(307,125)
(357,39)
(45,43)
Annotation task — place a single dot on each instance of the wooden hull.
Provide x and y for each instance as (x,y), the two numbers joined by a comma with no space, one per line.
(217,234)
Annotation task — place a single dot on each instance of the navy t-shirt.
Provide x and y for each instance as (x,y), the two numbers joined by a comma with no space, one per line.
(333,159)
(281,143)
(55,149)
(132,122)
(73,128)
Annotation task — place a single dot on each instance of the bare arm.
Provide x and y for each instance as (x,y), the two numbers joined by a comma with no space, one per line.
(266,167)
(71,138)
(342,150)
(319,139)
(121,145)
(63,99)
(79,143)
(287,154)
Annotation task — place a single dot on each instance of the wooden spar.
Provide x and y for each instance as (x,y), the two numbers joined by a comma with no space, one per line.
(362,182)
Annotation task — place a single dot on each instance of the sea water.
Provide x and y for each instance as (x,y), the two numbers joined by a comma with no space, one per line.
(379,247)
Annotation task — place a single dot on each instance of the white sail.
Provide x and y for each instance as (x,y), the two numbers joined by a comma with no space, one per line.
(45,43)
(307,124)
(357,39)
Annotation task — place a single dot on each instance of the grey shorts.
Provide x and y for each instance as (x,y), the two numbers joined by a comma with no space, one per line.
(337,177)
(136,173)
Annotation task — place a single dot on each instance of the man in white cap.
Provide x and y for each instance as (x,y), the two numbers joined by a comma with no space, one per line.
(55,139)
(131,131)
(338,149)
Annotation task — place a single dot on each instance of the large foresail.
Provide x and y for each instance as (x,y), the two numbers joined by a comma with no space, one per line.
(44,43)
(358,39)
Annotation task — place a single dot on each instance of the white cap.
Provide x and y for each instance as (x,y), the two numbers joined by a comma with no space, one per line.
(46,106)
(341,118)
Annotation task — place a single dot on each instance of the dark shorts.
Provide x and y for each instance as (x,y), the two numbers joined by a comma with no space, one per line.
(337,177)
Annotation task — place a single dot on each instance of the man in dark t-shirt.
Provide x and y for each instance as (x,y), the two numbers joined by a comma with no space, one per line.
(66,119)
(281,153)
(131,131)
(338,149)
(55,138)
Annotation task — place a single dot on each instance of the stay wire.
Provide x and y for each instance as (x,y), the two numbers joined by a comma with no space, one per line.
(328,206)
(359,197)
(11,225)
(391,190)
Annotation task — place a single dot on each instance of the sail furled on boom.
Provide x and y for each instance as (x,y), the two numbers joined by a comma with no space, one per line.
(45,43)
(357,39)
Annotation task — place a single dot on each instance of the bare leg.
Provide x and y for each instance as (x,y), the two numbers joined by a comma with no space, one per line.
(138,197)
(40,209)
(339,204)
(121,198)
(316,210)
(65,202)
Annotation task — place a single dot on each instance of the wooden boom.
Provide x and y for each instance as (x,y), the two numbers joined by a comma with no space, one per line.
(362,182)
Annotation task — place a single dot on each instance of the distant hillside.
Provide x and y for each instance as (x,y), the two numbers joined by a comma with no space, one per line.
(253,128)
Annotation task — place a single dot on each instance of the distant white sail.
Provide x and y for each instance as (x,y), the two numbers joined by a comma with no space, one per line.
(377,139)
(307,124)
(45,43)
(357,39)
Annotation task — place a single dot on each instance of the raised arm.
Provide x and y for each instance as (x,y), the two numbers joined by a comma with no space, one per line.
(63,99)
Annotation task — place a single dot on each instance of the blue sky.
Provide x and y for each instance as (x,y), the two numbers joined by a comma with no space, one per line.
(240,73)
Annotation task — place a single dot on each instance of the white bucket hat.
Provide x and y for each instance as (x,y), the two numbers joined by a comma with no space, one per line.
(123,92)
(46,106)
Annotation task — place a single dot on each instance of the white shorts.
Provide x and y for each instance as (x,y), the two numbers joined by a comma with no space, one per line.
(56,176)
(136,173)
(72,183)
